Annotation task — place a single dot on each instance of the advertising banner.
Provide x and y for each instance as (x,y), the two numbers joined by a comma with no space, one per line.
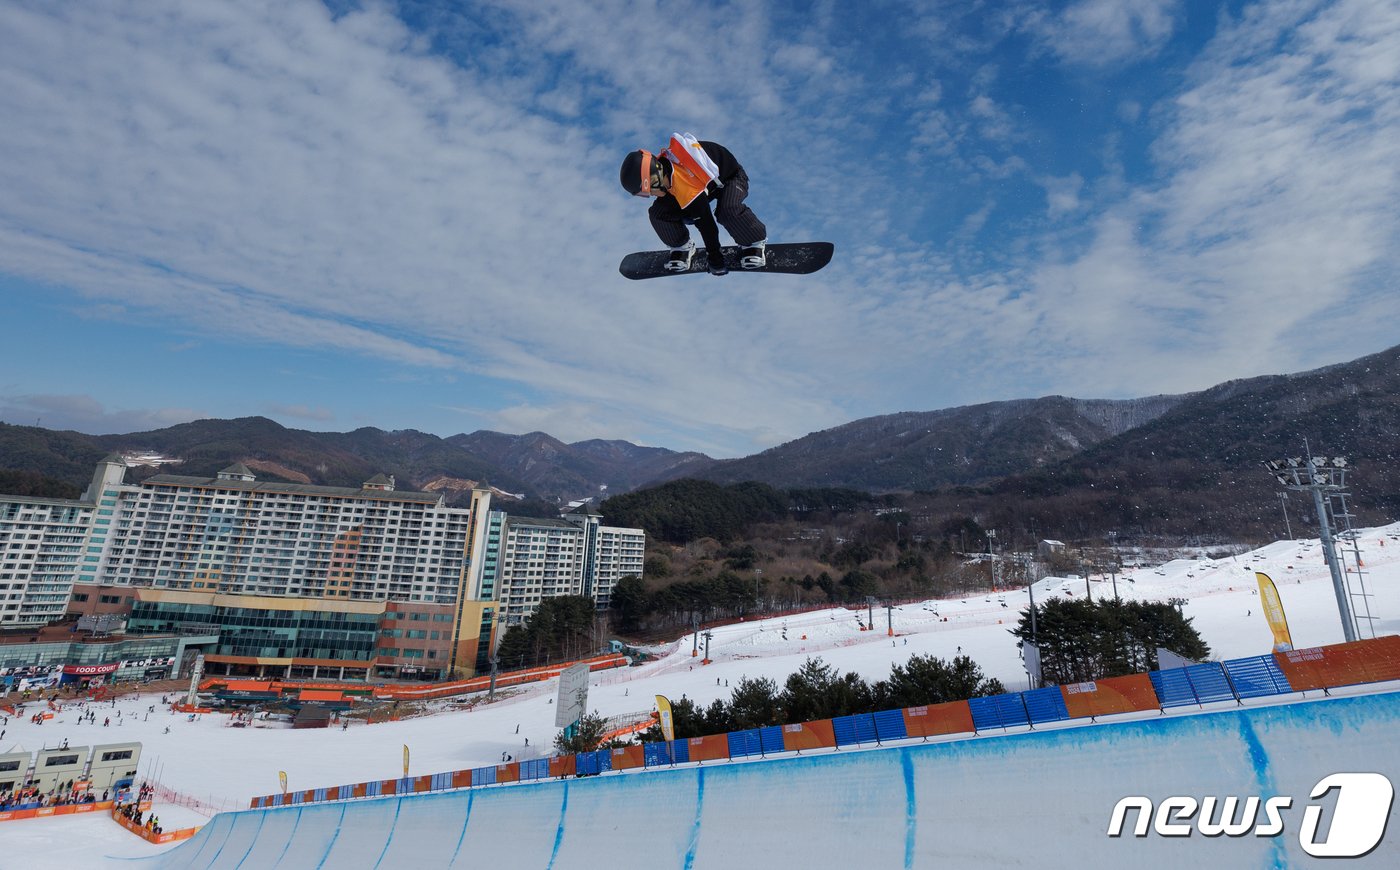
(1273,612)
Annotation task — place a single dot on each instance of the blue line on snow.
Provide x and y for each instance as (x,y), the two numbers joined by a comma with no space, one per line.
(334,837)
(699,808)
(911,813)
(559,834)
(389,841)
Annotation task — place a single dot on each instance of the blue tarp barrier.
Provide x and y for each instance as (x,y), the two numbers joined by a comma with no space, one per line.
(535,768)
(889,725)
(586,763)
(744,743)
(770,739)
(657,754)
(1045,705)
(865,728)
(372,789)
(1210,684)
(854,730)
(442,781)
(484,776)
(318,795)
(998,711)
(1173,688)
(1257,677)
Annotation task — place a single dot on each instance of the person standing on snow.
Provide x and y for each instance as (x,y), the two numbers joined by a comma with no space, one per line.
(685,178)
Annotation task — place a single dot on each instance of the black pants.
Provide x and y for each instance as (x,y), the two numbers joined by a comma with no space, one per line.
(730,211)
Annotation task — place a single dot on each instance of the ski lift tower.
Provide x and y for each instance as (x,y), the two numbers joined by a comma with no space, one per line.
(1326,478)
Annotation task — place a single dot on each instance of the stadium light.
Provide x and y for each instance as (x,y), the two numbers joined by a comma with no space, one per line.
(1319,475)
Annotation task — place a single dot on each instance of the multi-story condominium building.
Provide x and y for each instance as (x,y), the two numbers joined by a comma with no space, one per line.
(234,534)
(298,579)
(45,547)
(574,555)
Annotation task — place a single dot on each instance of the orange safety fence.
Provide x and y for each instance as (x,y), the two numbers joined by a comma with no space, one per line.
(1343,664)
(633,728)
(151,836)
(713,747)
(932,720)
(64,810)
(625,757)
(1130,694)
(563,765)
(427,691)
(461,778)
(809,735)
(508,772)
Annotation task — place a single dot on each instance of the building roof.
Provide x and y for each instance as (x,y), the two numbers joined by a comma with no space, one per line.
(295,488)
(513,521)
(239,469)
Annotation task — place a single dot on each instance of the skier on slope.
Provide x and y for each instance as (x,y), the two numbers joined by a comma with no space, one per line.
(685,178)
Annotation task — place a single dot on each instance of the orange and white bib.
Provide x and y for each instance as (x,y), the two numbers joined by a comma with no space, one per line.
(692,170)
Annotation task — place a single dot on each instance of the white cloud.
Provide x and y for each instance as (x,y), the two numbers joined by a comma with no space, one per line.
(1062,194)
(1105,32)
(1266,246)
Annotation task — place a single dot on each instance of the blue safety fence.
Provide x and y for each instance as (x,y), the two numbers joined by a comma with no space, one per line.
(1194,684)
(744,743)
(889,725)
(535,768)
(1045,705)
(770,739)
(854,730)
(998,711)
(1257,677)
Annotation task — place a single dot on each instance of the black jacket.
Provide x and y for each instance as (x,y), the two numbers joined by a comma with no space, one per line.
(698,213)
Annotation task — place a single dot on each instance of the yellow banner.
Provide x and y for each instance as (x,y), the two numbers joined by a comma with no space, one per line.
(405,759)
(663,710)
(282,778)
(1273,612)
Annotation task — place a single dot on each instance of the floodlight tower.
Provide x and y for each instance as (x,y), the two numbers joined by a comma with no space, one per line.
(1324,477)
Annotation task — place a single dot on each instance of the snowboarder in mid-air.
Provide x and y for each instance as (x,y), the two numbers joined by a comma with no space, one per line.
(686,177)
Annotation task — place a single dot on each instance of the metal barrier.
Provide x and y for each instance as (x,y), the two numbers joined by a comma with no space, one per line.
(1211,682)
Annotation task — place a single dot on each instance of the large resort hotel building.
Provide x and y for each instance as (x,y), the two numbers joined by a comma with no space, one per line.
(297,580)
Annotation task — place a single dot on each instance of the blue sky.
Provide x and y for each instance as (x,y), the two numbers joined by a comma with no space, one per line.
(407,215)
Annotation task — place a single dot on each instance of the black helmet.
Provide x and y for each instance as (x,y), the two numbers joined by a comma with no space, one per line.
(644,174)
(636,173)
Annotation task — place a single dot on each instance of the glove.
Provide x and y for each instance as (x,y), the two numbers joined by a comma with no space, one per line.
(716,262)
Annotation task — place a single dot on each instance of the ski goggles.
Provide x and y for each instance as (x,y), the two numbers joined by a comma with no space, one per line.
(653,176)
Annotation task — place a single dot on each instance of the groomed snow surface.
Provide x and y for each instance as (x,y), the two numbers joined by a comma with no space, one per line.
(223,767)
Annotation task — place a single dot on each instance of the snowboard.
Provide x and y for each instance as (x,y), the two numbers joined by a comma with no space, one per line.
(796,258)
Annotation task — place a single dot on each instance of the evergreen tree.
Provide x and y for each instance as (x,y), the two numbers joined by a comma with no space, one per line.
(929,680)
(1082,640)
